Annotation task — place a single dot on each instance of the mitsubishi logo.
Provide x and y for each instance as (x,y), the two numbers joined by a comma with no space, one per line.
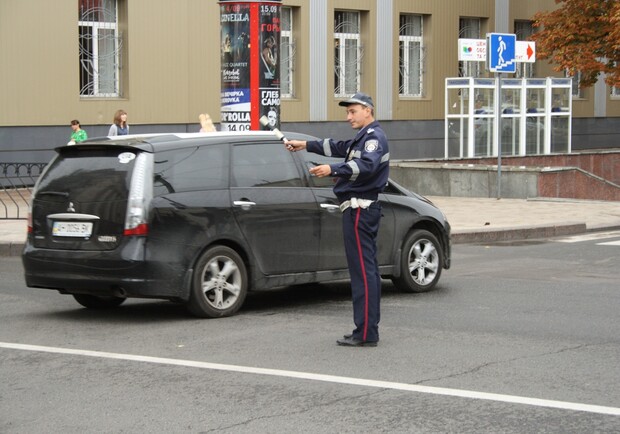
(70,207)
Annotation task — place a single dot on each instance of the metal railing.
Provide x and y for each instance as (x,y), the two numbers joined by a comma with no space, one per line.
(16,183)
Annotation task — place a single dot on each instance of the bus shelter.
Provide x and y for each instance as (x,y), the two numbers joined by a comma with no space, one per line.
(533,116)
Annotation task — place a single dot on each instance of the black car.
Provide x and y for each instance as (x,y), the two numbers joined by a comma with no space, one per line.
(204,218)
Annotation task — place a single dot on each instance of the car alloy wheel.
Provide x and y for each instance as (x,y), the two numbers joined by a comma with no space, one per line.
(219,283)
(420,263)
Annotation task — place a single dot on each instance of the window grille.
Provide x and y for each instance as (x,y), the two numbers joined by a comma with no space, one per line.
(348,53)
(469,28)
(411,55)
(100,45)
(576,91)
(287,54)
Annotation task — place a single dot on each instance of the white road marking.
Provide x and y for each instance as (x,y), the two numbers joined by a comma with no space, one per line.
(609,243)
(587,237)
(325,378)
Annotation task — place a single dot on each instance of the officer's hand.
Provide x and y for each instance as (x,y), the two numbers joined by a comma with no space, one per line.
(321,171)
(295,145)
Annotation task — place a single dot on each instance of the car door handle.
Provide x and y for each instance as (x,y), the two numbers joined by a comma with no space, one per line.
(244,204)
(330,207)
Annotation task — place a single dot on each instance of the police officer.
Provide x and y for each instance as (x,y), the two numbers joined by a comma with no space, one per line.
(360,178)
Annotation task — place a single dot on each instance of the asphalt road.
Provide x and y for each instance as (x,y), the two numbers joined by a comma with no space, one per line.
(515,339)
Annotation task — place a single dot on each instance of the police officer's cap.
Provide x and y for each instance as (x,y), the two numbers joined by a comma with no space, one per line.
(358,98)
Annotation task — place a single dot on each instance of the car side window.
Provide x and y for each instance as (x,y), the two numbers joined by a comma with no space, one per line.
(310,160)
(190,169)
(263,165)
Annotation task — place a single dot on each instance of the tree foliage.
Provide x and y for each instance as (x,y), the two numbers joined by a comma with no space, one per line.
(581,36)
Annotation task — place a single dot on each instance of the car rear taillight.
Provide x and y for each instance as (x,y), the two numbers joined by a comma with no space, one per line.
(142,229)
(140,193)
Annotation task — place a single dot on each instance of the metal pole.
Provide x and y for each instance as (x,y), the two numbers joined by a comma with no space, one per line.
(499,134)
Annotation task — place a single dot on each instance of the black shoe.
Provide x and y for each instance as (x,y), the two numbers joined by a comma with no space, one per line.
(352,342)
(350,335)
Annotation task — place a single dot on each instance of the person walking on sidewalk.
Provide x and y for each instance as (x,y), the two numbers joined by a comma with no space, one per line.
(77,133)
(119,126)
(360,178)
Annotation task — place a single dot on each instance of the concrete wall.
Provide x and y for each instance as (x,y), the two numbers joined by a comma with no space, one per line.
(437,179)
(604,164)
(592,176)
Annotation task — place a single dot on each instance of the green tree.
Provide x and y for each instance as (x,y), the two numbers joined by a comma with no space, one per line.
(581,36)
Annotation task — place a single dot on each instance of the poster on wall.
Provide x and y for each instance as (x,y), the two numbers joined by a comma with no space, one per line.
(235,69)
(269,66)
(250,64)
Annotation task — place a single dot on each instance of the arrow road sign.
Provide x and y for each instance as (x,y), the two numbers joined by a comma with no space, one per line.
(501,49)
(525,51)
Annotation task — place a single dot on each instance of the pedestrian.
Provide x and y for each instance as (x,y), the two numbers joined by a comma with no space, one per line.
(119,126)
(360,178)
(77,134)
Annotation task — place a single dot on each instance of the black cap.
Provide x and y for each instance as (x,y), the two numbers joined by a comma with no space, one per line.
(358,98)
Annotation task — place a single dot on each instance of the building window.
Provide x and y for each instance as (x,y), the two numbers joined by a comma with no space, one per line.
(348,53)
(100,46)
(411,52)
(523,31)
(287,53)
(615,90)
(469,28)
(576,89)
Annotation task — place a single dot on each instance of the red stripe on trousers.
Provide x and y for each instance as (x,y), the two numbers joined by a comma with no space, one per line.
(359,249)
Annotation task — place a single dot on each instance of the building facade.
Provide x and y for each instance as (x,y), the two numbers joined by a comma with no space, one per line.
(160,61)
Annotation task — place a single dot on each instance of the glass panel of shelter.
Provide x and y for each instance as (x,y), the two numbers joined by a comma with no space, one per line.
(527,106)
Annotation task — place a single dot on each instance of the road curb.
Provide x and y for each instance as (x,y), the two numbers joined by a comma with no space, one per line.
(11,249)
(465,236)
(513,234)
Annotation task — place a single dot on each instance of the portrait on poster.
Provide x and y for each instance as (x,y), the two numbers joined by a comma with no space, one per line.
(269,45)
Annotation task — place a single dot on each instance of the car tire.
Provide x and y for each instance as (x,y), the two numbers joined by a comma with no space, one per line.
(421,262)
(219,283)
(98,302)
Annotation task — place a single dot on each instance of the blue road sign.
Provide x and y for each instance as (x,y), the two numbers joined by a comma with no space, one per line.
(501,52)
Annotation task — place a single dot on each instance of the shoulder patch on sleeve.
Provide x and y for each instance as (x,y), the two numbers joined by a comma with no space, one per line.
(371,145)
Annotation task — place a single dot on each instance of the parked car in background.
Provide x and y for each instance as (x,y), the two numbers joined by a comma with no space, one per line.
(204,218)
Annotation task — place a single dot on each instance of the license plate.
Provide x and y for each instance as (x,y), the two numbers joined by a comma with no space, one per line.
(72,229)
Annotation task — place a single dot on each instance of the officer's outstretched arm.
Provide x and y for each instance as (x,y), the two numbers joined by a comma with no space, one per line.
(295,145)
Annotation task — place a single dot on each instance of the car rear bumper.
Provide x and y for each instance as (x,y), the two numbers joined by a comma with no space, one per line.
(122,272)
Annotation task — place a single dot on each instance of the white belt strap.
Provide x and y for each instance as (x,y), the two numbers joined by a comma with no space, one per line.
(355,203)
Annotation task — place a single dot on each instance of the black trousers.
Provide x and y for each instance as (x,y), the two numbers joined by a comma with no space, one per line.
(360,228)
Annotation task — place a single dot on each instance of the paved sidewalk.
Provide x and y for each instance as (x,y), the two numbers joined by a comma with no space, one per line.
(473,220)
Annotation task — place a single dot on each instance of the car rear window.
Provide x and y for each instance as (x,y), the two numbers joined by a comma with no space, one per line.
(87,174)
